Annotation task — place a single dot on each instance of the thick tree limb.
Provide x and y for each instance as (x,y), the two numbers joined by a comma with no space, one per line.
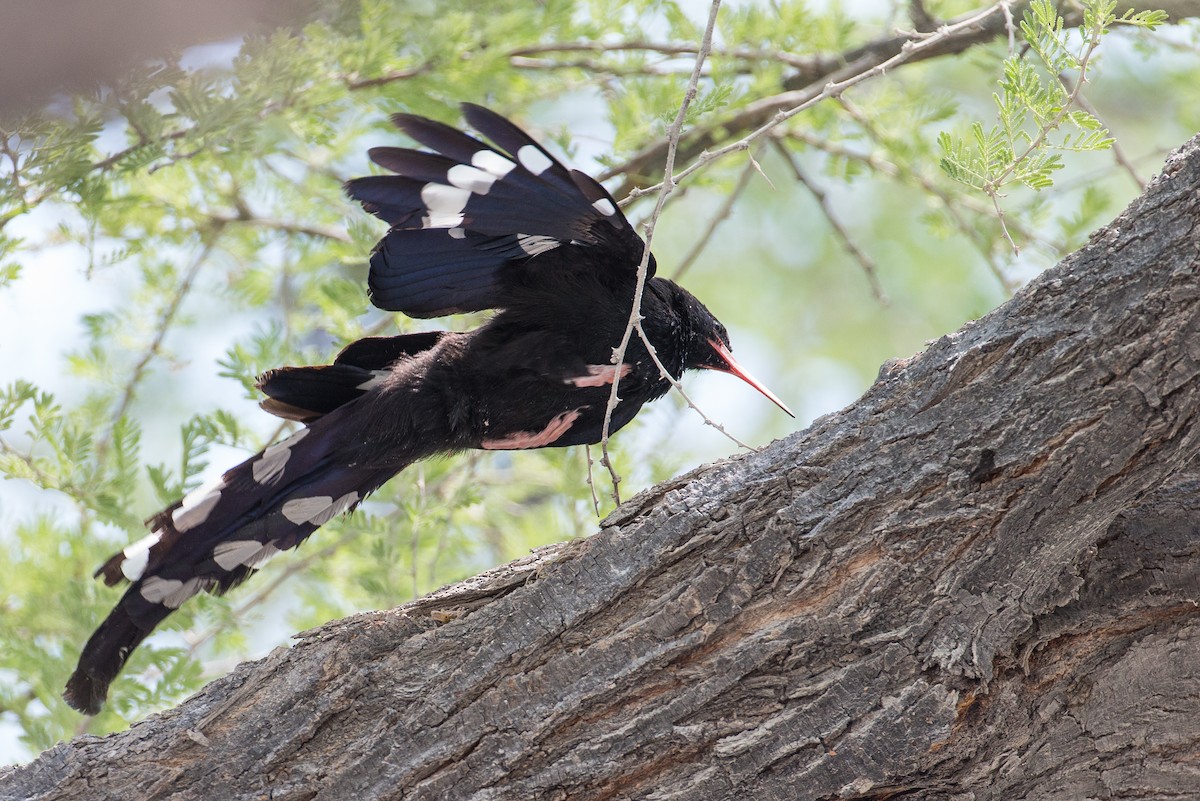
(980,581)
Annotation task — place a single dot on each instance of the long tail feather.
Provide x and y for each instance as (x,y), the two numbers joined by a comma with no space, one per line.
(218,536)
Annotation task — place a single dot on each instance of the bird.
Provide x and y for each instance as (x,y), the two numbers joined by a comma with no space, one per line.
(487,222)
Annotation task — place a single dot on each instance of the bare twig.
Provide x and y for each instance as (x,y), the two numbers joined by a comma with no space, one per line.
(805,62)
(354,82)
(592,66)
(248,218)
(635,313)
(866,262)
(1011,27)
(591,482)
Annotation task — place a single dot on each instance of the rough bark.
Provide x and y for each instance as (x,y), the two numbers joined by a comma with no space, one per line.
(980,581)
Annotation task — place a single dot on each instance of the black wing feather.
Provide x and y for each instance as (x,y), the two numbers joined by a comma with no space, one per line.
(469,220)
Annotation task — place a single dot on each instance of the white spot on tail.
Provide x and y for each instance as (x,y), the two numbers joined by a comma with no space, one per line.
(442,199)
(172,592)
(318,510)
(301,510)
(137,556)
(492,162)
(472,179)
(250,553)
(605,207)
(533,159)
(195,510)
(269,468)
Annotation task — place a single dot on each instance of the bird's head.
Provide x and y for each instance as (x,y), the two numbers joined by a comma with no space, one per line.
(706,345)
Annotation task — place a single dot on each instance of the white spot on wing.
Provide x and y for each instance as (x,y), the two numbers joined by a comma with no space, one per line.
(441,221)
(472,179)
(492,162)
(442,199)
(533,159)
(137,556)
(457,233)
(534,244)
(605,207)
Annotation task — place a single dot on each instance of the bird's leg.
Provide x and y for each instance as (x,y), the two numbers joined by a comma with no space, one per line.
(598,375)
(558,425)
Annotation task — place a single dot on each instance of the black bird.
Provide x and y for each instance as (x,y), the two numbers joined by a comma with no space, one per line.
(472,226)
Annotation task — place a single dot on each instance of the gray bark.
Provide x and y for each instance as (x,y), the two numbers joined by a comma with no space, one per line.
(980,581)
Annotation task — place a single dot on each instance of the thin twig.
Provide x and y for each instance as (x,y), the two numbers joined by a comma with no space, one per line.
(635,313)
(587,452)
(1011,27)
(592,65)
(319,231)
(676,49)
(866,262)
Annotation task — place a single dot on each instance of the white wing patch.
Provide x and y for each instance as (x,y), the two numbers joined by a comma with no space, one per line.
(441,199)
(492,162)
(605,207)
(533,159)
(473,179)
(534,244)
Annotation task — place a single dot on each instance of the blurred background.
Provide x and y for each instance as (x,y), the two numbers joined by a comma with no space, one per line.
(172,224)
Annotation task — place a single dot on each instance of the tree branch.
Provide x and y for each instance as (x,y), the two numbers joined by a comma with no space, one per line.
(803,87)
(946,590)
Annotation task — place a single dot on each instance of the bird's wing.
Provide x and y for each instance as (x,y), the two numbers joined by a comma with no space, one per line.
(468,218)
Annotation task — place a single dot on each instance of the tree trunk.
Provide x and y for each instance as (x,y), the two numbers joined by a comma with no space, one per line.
(980,581)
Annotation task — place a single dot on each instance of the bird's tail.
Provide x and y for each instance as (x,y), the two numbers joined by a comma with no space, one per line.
(217,536)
